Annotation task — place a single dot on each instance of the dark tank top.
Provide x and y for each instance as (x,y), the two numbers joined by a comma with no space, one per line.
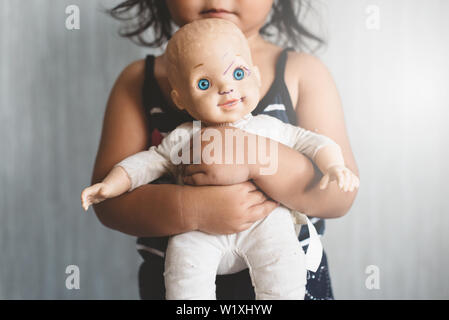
(162,118)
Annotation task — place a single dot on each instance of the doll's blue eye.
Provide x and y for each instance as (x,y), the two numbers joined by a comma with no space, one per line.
(239,74)
(203,84)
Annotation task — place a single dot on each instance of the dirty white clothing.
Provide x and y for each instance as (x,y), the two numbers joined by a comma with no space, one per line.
(269,248)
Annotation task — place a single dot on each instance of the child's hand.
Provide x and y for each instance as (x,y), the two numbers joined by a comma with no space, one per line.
(228,209)
(222,171)
(94,194)
(215,174)
(345,178)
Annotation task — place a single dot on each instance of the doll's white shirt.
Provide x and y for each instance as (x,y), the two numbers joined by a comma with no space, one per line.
(149,165)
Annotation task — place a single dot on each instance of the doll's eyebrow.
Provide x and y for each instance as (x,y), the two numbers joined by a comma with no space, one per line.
(198,65)
(229,67)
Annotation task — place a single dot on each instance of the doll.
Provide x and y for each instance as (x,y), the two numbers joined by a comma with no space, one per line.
(212,77)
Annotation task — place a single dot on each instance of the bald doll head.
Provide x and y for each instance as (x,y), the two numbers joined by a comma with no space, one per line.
(211,71)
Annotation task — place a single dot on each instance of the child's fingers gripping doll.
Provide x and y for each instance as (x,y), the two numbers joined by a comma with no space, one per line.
(212,77)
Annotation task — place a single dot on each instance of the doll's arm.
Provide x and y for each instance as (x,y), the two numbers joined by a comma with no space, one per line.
(136,170)
(116,183)
(132,172)
(329,159)
(327,156)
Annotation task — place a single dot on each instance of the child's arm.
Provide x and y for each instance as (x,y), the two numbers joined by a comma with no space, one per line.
(318,109)
(323,151)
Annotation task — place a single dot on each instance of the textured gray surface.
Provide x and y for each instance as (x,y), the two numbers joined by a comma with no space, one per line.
(53,88)
(393,82)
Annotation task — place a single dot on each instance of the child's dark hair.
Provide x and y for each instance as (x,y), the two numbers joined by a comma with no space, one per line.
(145,14)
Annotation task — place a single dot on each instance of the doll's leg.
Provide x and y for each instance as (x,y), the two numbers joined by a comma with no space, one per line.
(275,258)
(191,263)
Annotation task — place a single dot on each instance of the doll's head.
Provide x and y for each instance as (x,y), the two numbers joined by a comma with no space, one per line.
(211,71)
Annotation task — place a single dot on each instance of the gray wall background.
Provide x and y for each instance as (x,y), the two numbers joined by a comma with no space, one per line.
(54,84)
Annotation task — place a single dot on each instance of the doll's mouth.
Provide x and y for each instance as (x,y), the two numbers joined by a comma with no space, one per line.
(230,103)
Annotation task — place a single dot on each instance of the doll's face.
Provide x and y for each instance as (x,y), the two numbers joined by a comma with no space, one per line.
(216,81)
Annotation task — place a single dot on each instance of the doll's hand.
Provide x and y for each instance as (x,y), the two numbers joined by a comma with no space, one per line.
(345,178)
(94,194)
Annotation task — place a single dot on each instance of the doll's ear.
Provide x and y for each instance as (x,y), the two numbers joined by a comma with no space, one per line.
(257,74)
(176,99)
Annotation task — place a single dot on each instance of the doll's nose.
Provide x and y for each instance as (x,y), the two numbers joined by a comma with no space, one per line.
(228,91)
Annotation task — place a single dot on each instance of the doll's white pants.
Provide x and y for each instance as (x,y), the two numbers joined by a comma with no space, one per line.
(269,248)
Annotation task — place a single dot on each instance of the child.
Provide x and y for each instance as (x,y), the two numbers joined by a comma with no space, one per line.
(139,111)
(212,76)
